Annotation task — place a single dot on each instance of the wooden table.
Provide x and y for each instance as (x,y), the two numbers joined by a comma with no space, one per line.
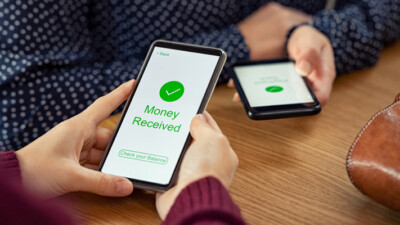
(292,171)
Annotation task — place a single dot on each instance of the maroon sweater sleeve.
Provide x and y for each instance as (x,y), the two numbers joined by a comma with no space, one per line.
(205,201)
(17,206)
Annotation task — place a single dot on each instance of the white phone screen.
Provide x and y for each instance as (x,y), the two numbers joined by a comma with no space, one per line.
(152,135)
(272,84)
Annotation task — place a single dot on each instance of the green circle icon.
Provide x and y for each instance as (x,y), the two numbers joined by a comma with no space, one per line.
(274,89)
(171,91)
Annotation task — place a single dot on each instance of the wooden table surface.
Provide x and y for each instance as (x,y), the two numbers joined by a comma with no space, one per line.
(291,171)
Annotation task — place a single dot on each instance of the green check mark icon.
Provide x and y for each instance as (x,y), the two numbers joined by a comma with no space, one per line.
(171,91)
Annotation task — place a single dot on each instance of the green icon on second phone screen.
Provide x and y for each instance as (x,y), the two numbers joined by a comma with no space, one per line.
(274,89)
(171,91)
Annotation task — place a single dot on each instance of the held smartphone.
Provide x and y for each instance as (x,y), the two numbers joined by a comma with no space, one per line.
(273,89)
(175,83)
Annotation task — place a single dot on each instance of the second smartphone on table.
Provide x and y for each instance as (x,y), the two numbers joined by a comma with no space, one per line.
(273,89)
(175,83)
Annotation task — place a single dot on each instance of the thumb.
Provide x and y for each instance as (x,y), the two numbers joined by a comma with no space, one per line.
(307,60)
(103,184)
(199,127)
(305,50)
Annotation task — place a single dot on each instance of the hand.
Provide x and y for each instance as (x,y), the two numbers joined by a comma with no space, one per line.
(65,159)
(209,155)
(265,30)
(314,58)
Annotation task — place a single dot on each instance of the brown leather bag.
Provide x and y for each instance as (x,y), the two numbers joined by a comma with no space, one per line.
(373,162)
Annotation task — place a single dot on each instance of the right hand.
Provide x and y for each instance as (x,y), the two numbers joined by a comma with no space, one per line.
(210,154)
(315,59)
(265,30)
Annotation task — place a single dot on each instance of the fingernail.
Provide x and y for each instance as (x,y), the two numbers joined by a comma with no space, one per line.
(304,68)
(130,83)
(124,187)
(201,116)
(230,83)
(235,97)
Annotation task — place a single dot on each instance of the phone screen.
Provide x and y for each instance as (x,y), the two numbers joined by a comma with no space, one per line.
(154,130)
(272,84)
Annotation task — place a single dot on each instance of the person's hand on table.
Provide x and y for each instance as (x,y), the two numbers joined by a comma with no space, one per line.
(210,154)
(65,159)
(314,58)
(265,30)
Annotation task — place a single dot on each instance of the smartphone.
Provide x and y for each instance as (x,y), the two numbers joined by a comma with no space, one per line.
(273,89)
(174,84)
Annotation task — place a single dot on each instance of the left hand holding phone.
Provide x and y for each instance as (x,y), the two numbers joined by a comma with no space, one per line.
(65,159)
(210,154)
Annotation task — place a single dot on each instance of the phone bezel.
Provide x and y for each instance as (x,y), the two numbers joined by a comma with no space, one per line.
(210,88)
(275,111)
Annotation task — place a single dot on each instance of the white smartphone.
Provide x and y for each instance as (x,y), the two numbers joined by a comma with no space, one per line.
(175,83)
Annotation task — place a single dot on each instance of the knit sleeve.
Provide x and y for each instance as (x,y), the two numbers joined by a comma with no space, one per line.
(205,201)
(358,30)
(19,207)
(9,166)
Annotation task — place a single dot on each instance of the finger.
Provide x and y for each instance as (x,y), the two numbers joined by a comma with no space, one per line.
(212,122)
(104,106)
(324,75)
(95,156)
(102,184)
(102,138)
(199,127)
(236,97)
(322,94)
(231,84)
